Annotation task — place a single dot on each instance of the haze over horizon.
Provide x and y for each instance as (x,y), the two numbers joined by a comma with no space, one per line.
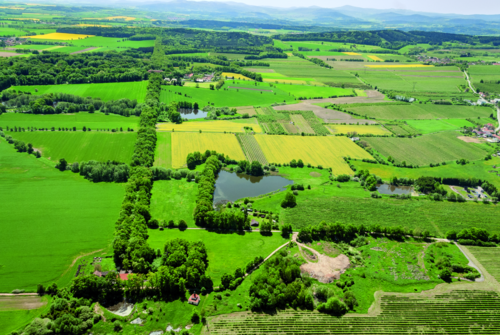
(486,7)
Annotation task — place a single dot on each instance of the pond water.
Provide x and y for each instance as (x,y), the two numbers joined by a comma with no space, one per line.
(192,113)
(231,186)
(391,189)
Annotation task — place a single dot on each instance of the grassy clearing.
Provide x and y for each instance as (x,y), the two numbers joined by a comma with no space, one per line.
(359,129)
(328,150)
(135,90)
(186,143)
(433,148)
(232,97)
(219,126)
(78,120)
(174,200)
(81,146)
(417,111)
(163,150)
(48,218)
(481,169)
(488,257)
(226,252)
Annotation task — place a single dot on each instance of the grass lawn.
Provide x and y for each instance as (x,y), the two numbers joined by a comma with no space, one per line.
(420,111)
(48,218)
(135,90)
(432,148)
(78,120)
(163,150)
(174,200)
(226,252)
(81,146)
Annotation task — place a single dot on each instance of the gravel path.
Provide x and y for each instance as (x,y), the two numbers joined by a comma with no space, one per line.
(471,263)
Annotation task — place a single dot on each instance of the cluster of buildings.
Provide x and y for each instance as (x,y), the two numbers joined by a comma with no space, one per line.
(205,79)
(487,132)
(434,60)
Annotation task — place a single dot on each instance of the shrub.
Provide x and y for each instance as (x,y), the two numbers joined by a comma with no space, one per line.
(333,306)
(289,201)
(182,225)
(117,326)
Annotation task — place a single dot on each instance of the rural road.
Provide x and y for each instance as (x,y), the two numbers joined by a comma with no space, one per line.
(471,263)
(498,117)
(468,80)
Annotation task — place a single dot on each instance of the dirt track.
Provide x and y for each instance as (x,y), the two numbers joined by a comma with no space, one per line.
(84,50)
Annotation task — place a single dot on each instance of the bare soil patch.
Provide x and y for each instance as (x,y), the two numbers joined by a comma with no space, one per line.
(469,139)
(315,174)
(21,302)
(250,89)
(246,110)
(122,308)
(84,50)
(9,54)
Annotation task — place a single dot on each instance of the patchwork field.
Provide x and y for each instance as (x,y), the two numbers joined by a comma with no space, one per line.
(135,90)
(218,126)
(224,250)
(316,150)
(59,215)
(186,143)
(360,130)
(81,146)
(433,148)
(78,120)
(59,36)
(419,111)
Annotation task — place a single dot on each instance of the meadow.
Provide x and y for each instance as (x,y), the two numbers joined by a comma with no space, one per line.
(81,146)
(79,120)
(219,98)
(359,129)
(432,148)
(218,126)
(433,126)
(163,150)
(174,200)
(226,251)
(479,169)
(488,257)
(314,91)
(49,217)
(135,90)
(186,143)
(328,151)
(419,111)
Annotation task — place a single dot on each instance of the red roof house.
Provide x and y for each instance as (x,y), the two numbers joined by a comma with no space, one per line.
(124,276)
(194,299)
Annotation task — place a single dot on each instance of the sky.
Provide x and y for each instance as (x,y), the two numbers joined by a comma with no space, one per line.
(434,6)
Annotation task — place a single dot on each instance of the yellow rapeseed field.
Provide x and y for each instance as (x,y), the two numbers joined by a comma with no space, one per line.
(396,66)
(360,129)
(352,53)
(59,36)
(376,58)
(210,126)
(316,150)
(24,19)
(234,75)
(186,143)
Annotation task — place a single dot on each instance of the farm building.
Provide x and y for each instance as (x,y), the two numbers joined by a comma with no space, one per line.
(101,274)
(194,299)
(254,223)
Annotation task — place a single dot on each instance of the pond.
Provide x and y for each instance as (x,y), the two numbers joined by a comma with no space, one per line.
(231,186)
(192,113)
(391,189)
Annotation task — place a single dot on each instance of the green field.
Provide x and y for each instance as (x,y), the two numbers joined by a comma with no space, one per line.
(488,257)
(226,252)
(16,313)
(163,151)
(432,148)
(78,120)
(419,111)
(489,74)
(135,90)
(81,146)
(48,218)
(231,98)
(105,43)
(433,126)
(174,200)
(313,91)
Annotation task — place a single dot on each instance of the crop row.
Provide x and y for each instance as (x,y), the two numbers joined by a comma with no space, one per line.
(252,149)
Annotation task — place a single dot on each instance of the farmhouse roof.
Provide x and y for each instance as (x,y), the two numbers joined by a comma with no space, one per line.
(194,299)
(100,274)
(124,276)
(254,223)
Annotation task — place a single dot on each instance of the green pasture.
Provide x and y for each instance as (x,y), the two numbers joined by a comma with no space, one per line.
(488,257)
(135,90)
(226,251)
(419,111)
(174,200)
(432,148)
(314,91)
(81,146)
(407,48)
(479,169)
(163,150)
(433,126)
(79,120)
(489,74)
(220,98)
(105,43)
(324,46)
(49,217)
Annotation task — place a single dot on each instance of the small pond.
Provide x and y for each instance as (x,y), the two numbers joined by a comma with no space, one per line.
(192,113)
(391,189)
(231,186)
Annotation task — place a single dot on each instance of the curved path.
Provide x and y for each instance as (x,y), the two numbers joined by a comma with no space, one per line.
(471,263)
(468,80)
